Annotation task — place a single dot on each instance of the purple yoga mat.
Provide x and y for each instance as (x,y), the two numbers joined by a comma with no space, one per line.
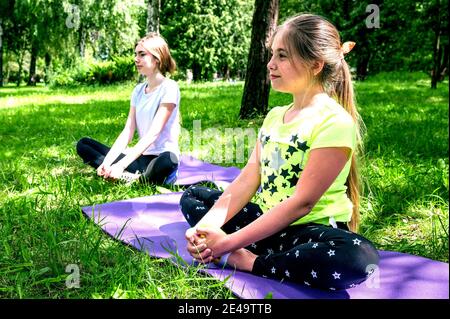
(156,225)
(192,170)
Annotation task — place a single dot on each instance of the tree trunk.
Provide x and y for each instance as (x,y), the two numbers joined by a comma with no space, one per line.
(444,65)
(255,99)
(48,61)
(81,41)
(437,49)
(196,71)
(20,61)
(362,65)
(1,53)
(32,74)
(437,53)
(153,8)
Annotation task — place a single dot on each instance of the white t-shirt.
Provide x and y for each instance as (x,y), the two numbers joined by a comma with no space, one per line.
(147,104)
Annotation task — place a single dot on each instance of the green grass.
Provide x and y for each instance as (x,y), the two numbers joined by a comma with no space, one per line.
(44,183)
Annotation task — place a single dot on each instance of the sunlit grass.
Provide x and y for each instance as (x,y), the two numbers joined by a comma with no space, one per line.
(44,183)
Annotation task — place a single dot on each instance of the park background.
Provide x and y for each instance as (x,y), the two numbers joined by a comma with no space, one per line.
(67,71)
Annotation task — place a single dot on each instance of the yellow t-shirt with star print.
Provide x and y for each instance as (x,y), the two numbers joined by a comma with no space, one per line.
(285,152)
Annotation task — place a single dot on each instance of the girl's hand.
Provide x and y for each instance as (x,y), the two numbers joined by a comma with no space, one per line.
(115,171)
(215,240)
(101,170)
(104,170)
(196,246)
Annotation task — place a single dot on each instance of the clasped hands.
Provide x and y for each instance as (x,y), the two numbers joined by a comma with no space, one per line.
(205,243)
(110,171)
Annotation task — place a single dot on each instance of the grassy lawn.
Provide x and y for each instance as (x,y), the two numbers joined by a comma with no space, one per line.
(44,183)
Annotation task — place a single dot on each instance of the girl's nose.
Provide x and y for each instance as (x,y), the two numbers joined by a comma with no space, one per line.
(271,64)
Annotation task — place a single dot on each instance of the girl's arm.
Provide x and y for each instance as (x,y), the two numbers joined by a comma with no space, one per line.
(123,139)
(323,166)
(162,116)
(236,195)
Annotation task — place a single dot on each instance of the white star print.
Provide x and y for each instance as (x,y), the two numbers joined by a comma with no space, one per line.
(356,241)
(321,234)
(208,190)
(352,286)
(273,270)
(199,208)
(297,253)
(254,245)
(336,275)
(315,245)
(187,216)
(237,227)
(283,234)
(331,252)
(245,209)
(296,239)
(258,214)
(269,251)
(281,247)
(310,240)
(313,274)
(331,243)
(331,288)
(307,283)
(287,273)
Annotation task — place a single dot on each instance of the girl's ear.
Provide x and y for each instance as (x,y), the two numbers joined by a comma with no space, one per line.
(318,66)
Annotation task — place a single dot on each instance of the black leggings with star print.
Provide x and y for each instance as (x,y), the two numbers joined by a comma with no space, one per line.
(315,255)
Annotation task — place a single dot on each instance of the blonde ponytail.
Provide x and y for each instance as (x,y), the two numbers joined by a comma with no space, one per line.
(343,91)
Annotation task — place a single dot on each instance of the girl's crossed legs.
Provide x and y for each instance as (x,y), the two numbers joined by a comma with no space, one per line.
(154,168)
(312,254)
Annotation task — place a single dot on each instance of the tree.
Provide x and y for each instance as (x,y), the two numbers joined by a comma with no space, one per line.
(6,8)
(439,26)
(255,99)
(153,9)
(207,36)
(5,12)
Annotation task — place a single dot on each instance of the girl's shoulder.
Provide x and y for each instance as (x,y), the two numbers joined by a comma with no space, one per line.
(277,111)
(331,109)
(171,84)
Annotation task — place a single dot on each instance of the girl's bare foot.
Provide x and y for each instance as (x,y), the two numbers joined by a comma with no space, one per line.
(242,259)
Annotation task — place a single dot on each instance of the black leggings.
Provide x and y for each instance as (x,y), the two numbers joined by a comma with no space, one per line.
(154,168)
(311,254)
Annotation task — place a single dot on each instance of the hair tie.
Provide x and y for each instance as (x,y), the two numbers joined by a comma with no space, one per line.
(346,47)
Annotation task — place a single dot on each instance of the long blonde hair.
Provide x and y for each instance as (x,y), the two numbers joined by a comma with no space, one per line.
(313,39)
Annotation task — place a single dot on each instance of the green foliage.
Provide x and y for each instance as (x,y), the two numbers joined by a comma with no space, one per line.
(208,36)
(119,69)
(404,40)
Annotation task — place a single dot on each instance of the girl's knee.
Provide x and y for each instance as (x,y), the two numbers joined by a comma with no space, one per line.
(83,146)
(365,260)
(81,142)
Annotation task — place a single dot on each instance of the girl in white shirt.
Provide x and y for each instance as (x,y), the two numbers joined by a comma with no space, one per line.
(154,112)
